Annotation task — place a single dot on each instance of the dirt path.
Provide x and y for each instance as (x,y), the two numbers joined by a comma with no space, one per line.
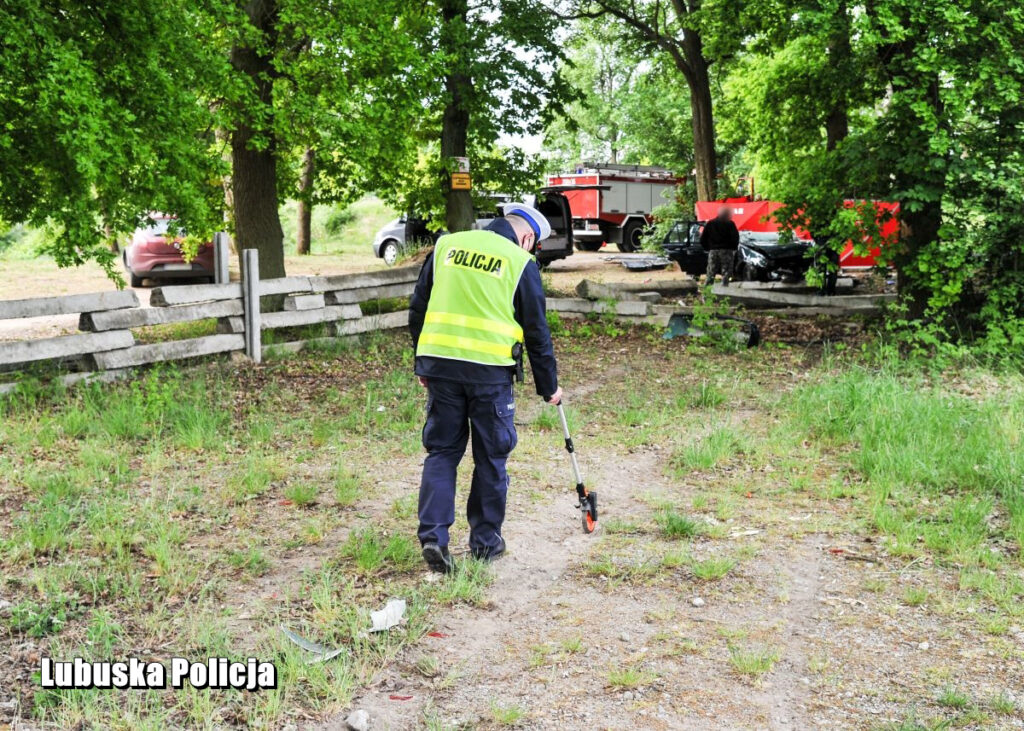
(482,651)
(785,700)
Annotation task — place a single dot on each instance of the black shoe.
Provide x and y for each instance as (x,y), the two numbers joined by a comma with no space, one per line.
(438,558)
(490,554)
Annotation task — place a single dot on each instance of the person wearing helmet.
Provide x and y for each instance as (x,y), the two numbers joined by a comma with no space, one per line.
(478,302)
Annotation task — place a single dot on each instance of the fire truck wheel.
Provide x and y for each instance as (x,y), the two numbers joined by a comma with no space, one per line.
(632,237)
(588,245)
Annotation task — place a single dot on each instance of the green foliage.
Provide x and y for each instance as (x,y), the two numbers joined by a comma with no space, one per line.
(501,59)
(909,102)
(753,662)
(710,318)
(676,525)
(372,552)
(627,112)
(555,323)
(338,218)
(106,119)
(43,618)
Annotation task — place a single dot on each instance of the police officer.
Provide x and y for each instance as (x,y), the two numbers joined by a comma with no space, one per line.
(478,300)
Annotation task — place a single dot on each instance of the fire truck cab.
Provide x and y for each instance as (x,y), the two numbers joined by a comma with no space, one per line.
(613,203)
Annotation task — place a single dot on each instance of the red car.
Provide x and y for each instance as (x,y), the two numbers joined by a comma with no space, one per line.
(151,255)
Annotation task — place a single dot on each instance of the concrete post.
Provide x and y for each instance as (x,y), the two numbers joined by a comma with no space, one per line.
(221,257)
(251,303)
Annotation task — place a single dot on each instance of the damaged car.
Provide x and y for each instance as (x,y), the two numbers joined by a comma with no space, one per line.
(762,256)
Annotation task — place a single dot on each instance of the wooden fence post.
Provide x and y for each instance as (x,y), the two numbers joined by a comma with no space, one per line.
(251,303)
(220,257)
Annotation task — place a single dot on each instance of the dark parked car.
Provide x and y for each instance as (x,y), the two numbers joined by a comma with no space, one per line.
(559,244)
(398,236)
(151,254)
(761,256)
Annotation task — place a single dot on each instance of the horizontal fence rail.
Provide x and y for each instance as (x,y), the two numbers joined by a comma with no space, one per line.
(105,346)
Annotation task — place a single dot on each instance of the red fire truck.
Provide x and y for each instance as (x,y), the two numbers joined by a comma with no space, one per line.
(613,203)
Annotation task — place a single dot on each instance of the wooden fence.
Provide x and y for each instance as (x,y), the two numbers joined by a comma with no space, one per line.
(105,346)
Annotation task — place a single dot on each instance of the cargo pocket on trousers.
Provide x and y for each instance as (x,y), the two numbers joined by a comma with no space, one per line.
(435,434)
(506,438)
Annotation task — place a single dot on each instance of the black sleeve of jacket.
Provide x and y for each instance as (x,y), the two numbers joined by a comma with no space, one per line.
(420,298)
(531,315)
(734,236)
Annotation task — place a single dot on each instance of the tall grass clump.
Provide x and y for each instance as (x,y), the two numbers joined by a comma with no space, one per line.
(937,462)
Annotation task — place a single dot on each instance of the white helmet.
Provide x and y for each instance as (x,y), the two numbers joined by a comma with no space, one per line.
(537,220)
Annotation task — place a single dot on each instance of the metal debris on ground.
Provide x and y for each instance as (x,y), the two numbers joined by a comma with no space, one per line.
(640,263)
(744,332)
(323,654)
(388,617)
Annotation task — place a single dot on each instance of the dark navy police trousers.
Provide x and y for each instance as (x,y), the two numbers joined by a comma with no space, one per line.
(455,413)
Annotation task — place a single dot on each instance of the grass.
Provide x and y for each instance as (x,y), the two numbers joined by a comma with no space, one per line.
(1003,704)
(138,515)
(675,525)
(301,494)
(905,429)
(175,331)
(629,677)
(347,487)
(953,698)
(915,596)
(250,561)
(712,569)
(507,715)
(753,662)
(712,450)
(428,666)
(373,553)
(467,585)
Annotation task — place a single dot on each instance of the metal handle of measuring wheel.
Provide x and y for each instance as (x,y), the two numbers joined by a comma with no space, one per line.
(565,426)
(569,445)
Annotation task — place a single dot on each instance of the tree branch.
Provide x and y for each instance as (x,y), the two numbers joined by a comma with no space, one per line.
(650,30)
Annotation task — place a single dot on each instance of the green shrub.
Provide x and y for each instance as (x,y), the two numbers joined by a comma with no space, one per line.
(338,218)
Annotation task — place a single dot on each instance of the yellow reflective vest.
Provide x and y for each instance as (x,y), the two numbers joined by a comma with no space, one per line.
(470,315)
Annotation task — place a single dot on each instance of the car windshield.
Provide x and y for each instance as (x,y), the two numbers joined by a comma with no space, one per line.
(678,234)
(764,238)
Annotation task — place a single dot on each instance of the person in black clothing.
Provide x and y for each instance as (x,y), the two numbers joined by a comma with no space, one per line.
(826,261)
(720,238)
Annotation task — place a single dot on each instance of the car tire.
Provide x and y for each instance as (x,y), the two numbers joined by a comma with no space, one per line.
(134,279)
(632,237)
(589,245)
(750,273)
(389,252)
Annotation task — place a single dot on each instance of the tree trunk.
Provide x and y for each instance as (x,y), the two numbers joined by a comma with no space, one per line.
(455,122)
(699,81)
(254,169)
(305,204)
(917,230)
(837,125)
(223,138)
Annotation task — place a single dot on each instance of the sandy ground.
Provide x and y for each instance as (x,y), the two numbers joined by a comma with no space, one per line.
(846,657)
